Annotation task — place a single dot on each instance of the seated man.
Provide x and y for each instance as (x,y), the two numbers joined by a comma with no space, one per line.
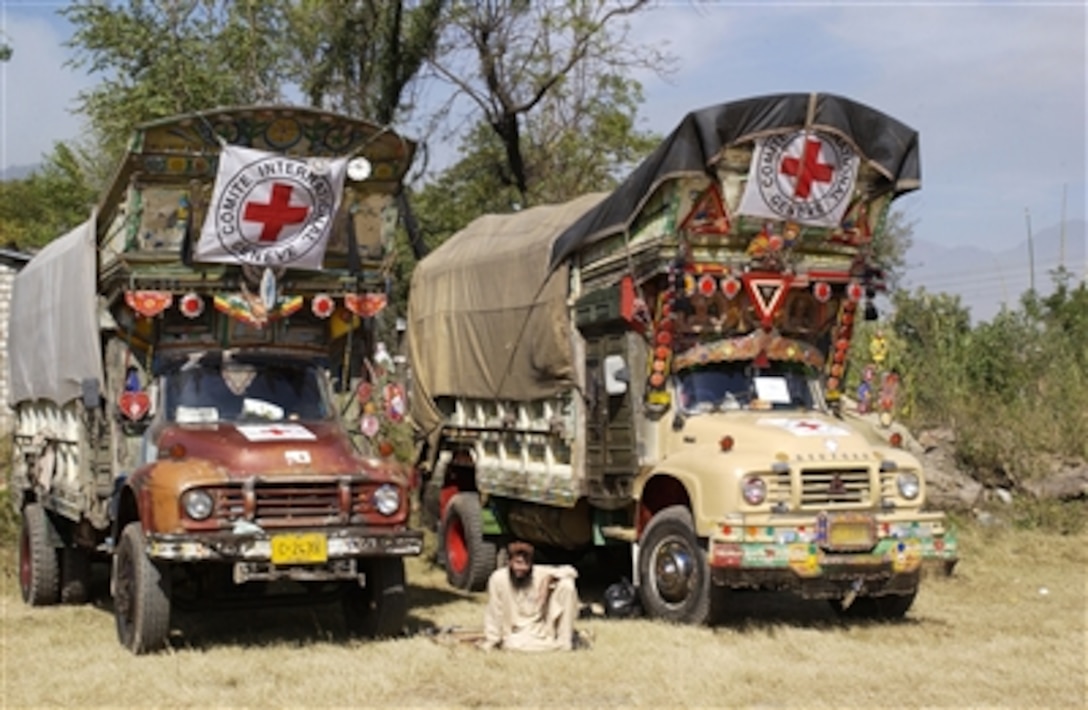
(530,607)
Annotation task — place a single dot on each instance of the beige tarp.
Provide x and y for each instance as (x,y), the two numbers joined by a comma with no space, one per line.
(486,318)
(54,342)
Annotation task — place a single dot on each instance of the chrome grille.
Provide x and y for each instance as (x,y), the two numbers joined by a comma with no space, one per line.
(274,503)
(831,488)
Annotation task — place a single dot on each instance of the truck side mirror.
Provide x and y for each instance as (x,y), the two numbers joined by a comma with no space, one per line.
(91,393)
(616,376)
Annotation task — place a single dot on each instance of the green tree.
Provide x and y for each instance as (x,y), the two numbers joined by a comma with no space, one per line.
(53,199)
(360,57)
(160,58)
(508,56)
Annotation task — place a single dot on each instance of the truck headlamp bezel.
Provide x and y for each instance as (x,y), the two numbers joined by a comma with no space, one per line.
(198,504)
(754,490)
(387,499)
(909,485)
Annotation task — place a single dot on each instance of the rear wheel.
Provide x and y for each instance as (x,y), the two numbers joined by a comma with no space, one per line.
(39,573)
(469,559)
(75,575)
(141,594)
(380,608)
(673,575)
(885,608)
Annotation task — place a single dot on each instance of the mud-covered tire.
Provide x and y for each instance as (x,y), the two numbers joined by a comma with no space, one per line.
(141,599)
(39,568)
(75,575)
(469,559)
(379,609)
(886,608)
(674,580)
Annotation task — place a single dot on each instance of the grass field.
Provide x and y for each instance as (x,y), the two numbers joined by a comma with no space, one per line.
(1006,630)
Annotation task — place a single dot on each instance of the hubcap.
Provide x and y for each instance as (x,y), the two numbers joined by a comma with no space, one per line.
(673,570)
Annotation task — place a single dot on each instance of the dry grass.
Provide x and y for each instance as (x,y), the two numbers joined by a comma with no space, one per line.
(988,636)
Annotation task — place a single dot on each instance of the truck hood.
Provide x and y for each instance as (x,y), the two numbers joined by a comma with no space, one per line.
(799,436)
(274,449)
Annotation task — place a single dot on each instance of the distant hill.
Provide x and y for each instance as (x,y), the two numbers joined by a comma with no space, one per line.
(985,279)
(17,172)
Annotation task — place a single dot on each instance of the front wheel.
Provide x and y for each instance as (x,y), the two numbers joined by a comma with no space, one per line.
(141,594)
(380,608)
(674,578)
(469,559)
(39,570)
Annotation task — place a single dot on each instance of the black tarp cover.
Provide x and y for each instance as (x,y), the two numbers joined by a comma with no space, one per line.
(886,145)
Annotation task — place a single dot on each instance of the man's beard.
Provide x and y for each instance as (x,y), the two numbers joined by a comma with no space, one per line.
(522,582)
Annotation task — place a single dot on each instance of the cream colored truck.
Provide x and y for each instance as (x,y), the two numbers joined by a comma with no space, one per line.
(657,373)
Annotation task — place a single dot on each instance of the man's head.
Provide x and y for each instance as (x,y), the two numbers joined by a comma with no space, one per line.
(521,562)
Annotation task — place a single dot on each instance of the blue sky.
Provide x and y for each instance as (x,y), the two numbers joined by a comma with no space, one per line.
(996,90)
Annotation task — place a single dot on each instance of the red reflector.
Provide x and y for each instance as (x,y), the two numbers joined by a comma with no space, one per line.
(726,443)
(177,451)
(896,440)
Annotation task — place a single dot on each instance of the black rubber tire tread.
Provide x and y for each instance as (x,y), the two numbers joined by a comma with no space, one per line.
(147,585)
(675,522)
(41,585)
(886,608)
(482,555)
(379,609)
(75,575)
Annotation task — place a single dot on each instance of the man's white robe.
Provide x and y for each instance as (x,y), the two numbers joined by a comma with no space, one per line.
(537,617)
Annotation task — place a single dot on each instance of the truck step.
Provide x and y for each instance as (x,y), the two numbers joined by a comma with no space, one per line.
(620,532)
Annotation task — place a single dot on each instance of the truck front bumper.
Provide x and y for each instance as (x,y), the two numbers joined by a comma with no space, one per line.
(797,555)
(340,543)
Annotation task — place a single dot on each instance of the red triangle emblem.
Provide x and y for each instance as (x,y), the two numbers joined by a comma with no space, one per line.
(767,292)
(708,215)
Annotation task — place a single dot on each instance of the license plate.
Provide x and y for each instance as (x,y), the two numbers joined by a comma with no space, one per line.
(851,534)
(299,549)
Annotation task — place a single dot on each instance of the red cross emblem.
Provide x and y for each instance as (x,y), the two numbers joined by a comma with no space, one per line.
(807,170)
(276,214)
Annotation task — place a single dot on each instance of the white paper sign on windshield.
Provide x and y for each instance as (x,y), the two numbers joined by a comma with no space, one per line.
(772,389)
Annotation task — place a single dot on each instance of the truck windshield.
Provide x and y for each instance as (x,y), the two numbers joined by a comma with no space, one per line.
(731,386)
(209,391)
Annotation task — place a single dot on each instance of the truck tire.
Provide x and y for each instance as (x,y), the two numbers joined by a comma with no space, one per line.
(885,608)
(379,609)
(469,559)
(674,580)
(75,575)
(141,595)
(39,572)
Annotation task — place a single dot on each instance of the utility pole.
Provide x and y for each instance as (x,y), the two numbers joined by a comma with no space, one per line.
(1031,251)
(1061,253)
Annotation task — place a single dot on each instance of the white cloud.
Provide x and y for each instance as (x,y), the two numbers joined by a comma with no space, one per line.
(37,92)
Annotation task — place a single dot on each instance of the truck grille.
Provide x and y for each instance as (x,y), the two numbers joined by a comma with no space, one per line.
(282,504)
(831,488)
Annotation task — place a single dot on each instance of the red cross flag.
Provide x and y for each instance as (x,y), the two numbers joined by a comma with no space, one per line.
(804,177)
(271,210)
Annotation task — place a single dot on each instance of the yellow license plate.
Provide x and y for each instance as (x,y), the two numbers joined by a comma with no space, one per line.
(299,549)
(856,533)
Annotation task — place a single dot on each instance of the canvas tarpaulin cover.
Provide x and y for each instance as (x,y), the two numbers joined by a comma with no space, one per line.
(884,144)
(53,337)
(487,317)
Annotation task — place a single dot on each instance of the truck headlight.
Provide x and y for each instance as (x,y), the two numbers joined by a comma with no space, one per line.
(908,484)
(198,504)
(387,499)
(754,490)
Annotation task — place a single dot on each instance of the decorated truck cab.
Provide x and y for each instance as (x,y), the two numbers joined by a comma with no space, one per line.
(664,379)
(193,374)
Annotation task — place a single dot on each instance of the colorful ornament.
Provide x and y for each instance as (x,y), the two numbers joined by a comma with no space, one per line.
(191,305)
(322,305)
